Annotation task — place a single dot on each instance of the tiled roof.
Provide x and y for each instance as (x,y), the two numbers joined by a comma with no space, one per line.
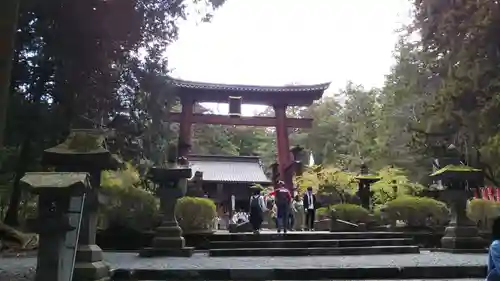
(240,169)
(247,88)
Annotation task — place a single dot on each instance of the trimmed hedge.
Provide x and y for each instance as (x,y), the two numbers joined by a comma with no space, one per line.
(347,212)
(483,212)
(352,213)
(416,211)
(195,214)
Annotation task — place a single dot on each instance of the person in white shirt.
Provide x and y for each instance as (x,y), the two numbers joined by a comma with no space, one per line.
(310,206)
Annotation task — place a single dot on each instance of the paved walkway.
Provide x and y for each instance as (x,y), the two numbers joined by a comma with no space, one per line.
(22,268)
(202,261)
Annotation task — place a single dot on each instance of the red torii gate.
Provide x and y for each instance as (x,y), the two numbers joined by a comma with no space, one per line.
(278,97)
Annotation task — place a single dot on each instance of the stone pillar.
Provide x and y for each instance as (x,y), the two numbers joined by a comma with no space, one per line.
(282,143)
(461,235)
(185,127)
(172,184)
(83,151)
(60,206)
(364,194)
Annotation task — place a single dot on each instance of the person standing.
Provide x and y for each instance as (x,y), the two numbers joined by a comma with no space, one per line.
(257,209)
(310,208)
(283,200)
(299,213)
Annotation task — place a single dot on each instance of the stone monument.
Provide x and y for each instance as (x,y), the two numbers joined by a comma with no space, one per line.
(171,181)
(61,198)
(84,151)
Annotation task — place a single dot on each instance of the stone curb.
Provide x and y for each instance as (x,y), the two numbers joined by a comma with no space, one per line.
(436,272)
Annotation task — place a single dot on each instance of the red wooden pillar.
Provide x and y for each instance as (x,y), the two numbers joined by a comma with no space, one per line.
(185,125)
(282,143)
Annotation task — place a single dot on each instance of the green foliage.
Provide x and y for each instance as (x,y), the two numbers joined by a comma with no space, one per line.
(328,181)
(483,212)
(129,205)
(351,213)
(323,212)
(105,67)
(195,214)
(416,211)
(443,88)
(390,177)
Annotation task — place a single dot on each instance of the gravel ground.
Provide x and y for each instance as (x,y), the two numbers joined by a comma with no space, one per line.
(22,268)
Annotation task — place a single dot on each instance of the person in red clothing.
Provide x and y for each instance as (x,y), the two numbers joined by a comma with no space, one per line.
(283,199)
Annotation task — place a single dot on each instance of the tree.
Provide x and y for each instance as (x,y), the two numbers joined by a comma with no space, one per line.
(8,23)
(461,39)
(77,64)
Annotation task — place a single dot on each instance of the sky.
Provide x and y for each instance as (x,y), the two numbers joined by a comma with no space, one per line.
(279,42)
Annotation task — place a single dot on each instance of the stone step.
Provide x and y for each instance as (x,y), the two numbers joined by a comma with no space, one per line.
(375,250)
(303,235)
(311,243)
(258,274)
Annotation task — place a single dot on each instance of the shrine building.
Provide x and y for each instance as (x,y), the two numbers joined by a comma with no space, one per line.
(224,176)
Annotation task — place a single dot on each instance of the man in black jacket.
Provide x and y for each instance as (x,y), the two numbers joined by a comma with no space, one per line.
(310,205)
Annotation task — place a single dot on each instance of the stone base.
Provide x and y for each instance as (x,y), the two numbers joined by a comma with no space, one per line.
(462,239)
(88,253)
(89,265)
(94,271)
(165,252)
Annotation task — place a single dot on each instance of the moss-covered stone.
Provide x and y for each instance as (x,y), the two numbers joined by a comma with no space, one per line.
(85,149)
(368,178)
(56,179)
(82,141)
(455,169)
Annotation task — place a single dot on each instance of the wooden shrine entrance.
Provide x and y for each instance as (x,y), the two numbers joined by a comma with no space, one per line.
(277,97)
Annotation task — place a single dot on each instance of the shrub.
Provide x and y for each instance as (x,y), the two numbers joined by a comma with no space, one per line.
(323,213)
(417,211)
(390,177)
(351,213)
(130,205)
(195,214)
(482,212)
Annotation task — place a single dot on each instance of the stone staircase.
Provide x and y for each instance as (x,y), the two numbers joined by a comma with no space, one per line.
(310,244)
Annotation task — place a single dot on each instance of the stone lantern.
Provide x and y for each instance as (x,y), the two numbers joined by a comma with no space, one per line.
(365,179)
(299,158)
(61,198)
(461,235)
(84,151)
(455,179)
(171,180)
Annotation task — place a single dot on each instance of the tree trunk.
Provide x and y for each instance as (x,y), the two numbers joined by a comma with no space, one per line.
(8,25)
(12,214)
(30,138)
